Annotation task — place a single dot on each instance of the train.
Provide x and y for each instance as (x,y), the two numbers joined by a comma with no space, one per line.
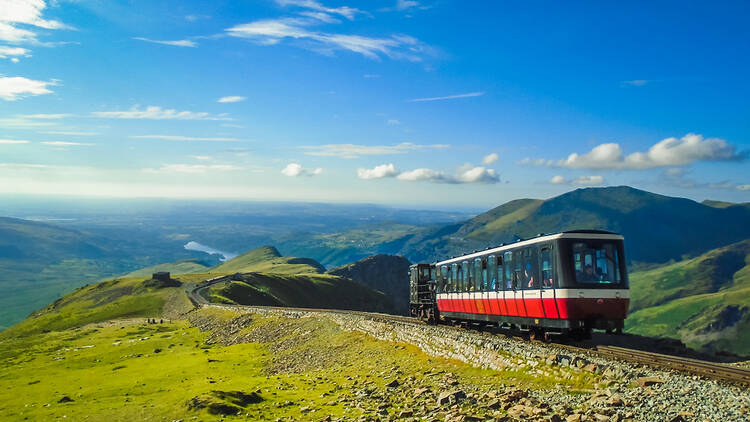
(568,283)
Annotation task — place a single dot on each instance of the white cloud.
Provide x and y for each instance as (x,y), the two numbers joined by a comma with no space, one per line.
(393,122)
(355,151)
(470,174)
(370,76)
(448,97)
(157,113)
(176,43)
(27,13)
(687,150)
(635,82)
(231,99)
(17,87)
(464,174)
(406,4)
(45,116)
(379,172)
(743,187)
(295,170)
(70,133)
(202,157)
(12,141)
(490,158)
(184,138)
(13,53)
(273,31)
(64,144)
(578,181)
(194,168)
(424,174)
(323,17)
(345,11)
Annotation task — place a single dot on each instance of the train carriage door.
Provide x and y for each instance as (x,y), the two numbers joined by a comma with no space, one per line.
(500,287)
(468,301)
(509,297)
(479,287)
(456,286)
(548,282)
(517,282)
(531,283)
(491,285)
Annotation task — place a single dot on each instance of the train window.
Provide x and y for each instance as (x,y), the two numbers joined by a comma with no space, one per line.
(499,284)
(491,273)
(596,263)
(548,280)
(468,279)
(457,282)
(530,275)
(443,277)
(518,269)
(508,262)
(485,283)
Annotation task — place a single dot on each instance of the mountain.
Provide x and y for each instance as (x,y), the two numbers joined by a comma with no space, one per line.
(703,301)
(722,204)
(184,266)
(267,259)
(386,273)
(657,228)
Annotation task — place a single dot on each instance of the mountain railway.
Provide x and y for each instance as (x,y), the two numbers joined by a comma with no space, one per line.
(712,370)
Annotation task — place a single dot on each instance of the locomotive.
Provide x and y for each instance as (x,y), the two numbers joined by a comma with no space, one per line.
(570,282)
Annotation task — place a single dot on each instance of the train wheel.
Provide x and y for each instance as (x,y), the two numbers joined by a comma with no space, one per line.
(547,337)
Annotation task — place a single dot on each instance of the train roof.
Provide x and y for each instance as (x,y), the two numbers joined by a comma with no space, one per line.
(570,234)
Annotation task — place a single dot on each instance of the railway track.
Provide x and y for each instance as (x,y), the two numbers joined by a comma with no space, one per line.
(717,371)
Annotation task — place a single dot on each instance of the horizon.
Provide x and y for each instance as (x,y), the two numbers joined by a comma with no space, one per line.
(399,103)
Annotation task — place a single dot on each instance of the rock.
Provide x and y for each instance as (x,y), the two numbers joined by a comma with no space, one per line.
(573,418)
(65,399)
(419,391)
(601,418)
(615,401)
(592,367)
(555,418)
(648,381)
(406,413)
(494,404)
(392,384)
(450,397)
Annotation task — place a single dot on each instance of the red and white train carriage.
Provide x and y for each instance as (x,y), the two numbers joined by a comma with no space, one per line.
(572,281)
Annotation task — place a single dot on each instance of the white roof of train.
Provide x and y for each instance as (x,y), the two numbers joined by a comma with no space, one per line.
(545,238)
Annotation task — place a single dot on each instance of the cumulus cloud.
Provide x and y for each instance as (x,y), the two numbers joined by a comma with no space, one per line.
(184,138)
(176,43)
(464,174)
(16,87)
(578,181)
(231,99)
(296,170)
(379,172)
(157,113)
(19,17)
(194,168)
(355,151)
(274,31)
(13,53)
(490,158)
(447,97)
(668,152)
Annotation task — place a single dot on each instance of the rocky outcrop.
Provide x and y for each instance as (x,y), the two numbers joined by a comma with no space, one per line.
(386,273)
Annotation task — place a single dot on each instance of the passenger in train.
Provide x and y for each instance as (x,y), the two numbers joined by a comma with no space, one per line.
(528,276)
(589,276)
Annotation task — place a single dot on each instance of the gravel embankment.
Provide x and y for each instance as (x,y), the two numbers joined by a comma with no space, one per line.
(625,391)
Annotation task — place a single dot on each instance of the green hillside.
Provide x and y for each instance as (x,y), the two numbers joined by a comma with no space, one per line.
(185,266)
(703,301)
(657,228)
(267,259)
(300,290)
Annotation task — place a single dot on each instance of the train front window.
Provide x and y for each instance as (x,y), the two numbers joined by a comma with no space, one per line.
(596,262)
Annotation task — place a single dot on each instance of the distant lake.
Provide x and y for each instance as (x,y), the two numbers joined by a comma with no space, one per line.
(195,246)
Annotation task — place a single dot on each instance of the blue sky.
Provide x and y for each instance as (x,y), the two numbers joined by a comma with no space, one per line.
(434,103)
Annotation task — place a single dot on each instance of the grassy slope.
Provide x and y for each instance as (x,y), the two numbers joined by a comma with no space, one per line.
(187,266)
(267,259)
(690,300)
(301,290)
(302,368)
(119,298)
